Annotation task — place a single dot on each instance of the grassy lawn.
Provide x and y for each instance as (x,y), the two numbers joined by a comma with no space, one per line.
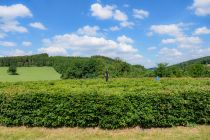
(176,133)
(29,74)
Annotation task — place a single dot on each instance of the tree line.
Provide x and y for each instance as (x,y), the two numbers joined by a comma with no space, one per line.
(190,70)
(77,67)
(95,66)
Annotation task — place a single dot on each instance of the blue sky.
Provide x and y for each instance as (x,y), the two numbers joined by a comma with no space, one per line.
(143,32)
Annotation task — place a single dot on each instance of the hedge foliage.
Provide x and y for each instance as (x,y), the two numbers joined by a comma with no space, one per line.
(154,104)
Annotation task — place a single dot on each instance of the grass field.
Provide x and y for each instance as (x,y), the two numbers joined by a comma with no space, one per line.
(175,133)
(29,74)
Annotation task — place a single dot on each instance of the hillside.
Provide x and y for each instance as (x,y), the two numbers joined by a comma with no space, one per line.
(202,60)
(77,67)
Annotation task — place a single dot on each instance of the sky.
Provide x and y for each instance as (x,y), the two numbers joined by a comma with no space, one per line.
(145,32)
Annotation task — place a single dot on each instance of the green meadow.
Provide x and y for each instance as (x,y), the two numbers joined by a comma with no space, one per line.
(29,74)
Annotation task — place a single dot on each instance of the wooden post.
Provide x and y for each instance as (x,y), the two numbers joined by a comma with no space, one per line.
(107,75)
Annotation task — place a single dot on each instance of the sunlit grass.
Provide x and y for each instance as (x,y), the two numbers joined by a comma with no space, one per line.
(29,74)
(176,133)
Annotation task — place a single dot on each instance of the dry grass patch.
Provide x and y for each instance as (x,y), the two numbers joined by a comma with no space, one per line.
(176,133)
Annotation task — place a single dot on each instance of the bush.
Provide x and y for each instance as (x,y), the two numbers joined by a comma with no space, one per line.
(12,69)
(106,111)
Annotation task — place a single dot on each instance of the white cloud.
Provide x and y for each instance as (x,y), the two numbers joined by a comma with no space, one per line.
(14,11)
(177,31)
(127,24)
(9,15)
(152,48)
(124,39)
(12,26)
(169,55)
(38,25)
(88,30)
(7,44)
(170,29)
(18,52)
(26,43)
(187,46)
(168,41)
(111,12)
(172,52)
(174,56)
(114,28)
(2,35)
(101,12)
(120,16)
(201,7)
(184,41)
(201,31)
(84,45)
(140,14)
(53,51)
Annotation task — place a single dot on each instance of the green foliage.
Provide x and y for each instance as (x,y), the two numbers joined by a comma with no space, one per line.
(191,70)
(95,103)
(161,70)
(197,70)
(12,70)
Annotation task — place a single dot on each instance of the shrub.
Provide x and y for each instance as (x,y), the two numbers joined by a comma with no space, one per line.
(12,69)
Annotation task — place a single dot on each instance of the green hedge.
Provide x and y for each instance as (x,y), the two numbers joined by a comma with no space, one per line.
(105,111)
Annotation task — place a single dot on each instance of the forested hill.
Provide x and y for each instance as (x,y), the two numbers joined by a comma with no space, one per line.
(77,67)
(193,68)
(202,60)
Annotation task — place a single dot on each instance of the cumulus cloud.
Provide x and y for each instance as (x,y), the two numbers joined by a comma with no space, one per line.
(201,31)
(127,24)
(18,52)
(170,52)
(14,11)
(38,25)
(140,13)
(9,15)
(177,55)
(7,44)
(89,30)
(55,51)
(111,12)
(120,16)
(176,31)
(75,44)
(26,43)
(84,44)
(168,29)
(186,46)
(101,12)
(124,39)
(114,28)
(184,41)
(12,26)
(201,7)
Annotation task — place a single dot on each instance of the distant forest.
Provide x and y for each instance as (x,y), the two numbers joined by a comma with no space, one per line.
(95,66)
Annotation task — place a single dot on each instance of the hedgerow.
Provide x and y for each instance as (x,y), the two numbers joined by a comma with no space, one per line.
(155,105)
